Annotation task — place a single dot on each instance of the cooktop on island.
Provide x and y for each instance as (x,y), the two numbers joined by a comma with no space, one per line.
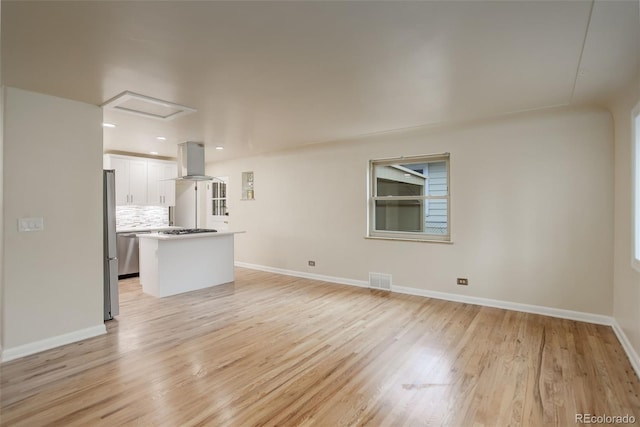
(189,231)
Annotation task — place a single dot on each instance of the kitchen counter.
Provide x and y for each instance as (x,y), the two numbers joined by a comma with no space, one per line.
(146,229)
(160,236)
(174,264)
(127,247)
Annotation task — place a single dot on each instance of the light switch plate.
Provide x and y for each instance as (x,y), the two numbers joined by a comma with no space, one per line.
(30,224)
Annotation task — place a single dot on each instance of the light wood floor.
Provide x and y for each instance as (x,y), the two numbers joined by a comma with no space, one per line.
(277,350)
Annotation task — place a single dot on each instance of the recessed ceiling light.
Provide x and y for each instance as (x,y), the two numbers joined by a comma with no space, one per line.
(161,138)
(155,153)
(407,174)
(219,147)
(108,125)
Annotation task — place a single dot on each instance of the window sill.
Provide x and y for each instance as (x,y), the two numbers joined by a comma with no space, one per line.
(405,239)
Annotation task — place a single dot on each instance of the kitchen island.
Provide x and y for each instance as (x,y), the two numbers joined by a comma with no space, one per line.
(173,264)
(127,247)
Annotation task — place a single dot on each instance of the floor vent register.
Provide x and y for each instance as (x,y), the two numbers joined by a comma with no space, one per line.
(380,281)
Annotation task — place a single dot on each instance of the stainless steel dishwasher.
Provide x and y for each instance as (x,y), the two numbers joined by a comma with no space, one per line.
(127,246)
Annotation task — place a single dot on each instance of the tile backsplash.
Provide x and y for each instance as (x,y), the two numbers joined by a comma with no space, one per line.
(141,216)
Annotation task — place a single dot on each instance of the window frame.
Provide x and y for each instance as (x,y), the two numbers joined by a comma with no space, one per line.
(372,233)
(635,187)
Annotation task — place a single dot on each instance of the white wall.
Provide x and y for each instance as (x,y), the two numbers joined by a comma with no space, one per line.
(53,280)
(532,210)
(626,308)
(1,196)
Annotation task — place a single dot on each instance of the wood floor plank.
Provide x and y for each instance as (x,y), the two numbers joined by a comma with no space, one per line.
(279,350)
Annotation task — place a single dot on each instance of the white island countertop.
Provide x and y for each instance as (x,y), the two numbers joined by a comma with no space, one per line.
(146,229)
(162,236)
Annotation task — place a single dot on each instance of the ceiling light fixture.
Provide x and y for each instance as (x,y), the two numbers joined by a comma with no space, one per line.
(146,106)
(108,125)
(219,147)
(161,138)
(155,153)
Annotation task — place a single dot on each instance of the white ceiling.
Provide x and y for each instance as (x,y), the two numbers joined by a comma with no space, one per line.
(269,75)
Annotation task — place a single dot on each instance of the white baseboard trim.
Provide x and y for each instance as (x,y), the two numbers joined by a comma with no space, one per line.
(331,279)
(49,343)
(628,348)
(514,306)
(527,308)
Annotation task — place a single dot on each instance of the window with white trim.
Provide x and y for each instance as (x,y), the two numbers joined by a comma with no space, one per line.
(409,198)
(635,186)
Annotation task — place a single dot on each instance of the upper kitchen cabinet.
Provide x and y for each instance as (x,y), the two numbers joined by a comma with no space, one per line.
(161,182)
(142,181)
(131,179)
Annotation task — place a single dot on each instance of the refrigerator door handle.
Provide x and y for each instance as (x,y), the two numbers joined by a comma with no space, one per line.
(111,297)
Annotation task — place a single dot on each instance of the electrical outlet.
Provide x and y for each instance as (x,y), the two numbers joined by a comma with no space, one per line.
(463,281)
(312,263)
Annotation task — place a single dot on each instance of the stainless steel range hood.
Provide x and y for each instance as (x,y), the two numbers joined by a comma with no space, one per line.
(191,162)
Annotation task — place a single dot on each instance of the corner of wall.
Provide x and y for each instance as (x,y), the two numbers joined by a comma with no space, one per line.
(1,203)
(626,280)
(1,219)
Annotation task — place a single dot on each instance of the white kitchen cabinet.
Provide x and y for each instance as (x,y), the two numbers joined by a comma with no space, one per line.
(137,182)
(169,194)
(121,166)
(131,179)
(142,181)
(155,172)
(161,186)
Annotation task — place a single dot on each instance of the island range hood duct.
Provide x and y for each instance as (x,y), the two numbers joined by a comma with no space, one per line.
(191,162)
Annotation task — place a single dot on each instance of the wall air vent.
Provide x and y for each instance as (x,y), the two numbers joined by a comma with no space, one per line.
(146,106)
(380,281)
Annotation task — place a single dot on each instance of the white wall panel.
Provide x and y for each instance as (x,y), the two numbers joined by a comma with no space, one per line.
(53,279)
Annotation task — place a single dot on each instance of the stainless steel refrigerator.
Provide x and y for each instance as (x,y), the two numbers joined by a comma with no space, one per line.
(188,203)
(111,301)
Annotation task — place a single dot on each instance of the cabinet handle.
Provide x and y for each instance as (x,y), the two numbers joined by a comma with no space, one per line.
(160,197)
(132,198)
